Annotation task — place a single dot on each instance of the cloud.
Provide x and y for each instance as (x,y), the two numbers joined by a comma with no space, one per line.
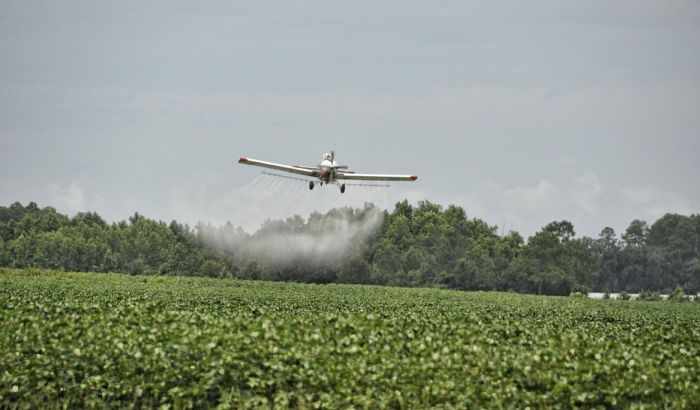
(69,197)
(586,191)
(533,198)
(653,203)
(528,207)
(524,208)
(72,198)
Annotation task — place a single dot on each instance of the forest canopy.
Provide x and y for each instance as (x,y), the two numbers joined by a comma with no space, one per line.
(423,245)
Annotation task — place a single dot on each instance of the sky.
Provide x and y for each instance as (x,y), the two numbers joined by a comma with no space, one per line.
(521,112)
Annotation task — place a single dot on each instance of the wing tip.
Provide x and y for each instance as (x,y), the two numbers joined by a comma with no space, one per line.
(242,159)
(413,177)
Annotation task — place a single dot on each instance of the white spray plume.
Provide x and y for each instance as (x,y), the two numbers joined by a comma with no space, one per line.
(210,198)
(319,240)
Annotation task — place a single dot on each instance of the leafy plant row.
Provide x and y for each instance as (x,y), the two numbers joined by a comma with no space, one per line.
(96,340)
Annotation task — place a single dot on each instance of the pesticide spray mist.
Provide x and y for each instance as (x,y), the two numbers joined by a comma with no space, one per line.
(264,207)
(320,240)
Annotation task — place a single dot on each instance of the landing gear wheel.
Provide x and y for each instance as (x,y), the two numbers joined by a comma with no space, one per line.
(342,188)
(311,184)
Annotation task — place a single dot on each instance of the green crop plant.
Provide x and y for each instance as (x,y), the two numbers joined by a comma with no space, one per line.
(106,340)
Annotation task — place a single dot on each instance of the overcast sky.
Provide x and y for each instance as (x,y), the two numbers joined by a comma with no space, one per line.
(521,112)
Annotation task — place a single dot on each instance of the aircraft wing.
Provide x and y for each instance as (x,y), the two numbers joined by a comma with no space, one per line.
(352,176)
(306,171)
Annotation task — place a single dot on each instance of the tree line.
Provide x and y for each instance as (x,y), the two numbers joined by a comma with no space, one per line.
(34,237)
(422,245)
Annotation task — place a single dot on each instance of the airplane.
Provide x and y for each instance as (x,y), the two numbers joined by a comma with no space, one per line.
(327,172)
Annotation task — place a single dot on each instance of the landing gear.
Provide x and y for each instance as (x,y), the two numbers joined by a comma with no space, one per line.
(342,188)
(311,184)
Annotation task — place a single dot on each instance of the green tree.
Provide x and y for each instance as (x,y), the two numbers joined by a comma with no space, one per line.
(636,234)
(607,249)
(674,238)
(553,262)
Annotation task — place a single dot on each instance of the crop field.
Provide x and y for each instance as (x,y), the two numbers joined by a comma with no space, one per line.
(108,340)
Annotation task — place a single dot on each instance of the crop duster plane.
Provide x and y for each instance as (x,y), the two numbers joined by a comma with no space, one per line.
(327,172)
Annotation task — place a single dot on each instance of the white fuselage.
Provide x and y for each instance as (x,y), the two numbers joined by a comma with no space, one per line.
(327,170)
